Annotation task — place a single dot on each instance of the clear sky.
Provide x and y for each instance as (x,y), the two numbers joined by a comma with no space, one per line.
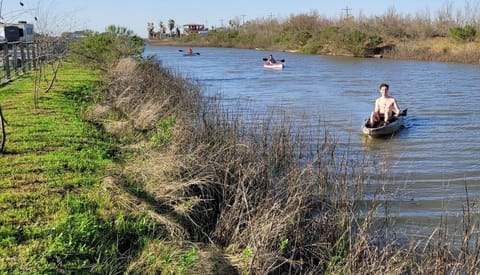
(70,15)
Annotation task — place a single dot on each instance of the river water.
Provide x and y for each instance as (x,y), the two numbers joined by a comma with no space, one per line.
(433,164)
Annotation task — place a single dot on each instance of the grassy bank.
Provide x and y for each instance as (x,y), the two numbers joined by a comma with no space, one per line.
(137,172)
(54,217)
(64,207)
(50,163)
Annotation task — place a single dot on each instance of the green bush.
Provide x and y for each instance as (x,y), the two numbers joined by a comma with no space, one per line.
(470,33)
(355,42)
(467,33)
(232,34)
(101,50)
(328,34)
(374,41)
(302,38)
(313,46)
(163,133)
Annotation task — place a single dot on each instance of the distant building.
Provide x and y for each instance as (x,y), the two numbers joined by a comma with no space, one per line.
(74,35)
(195,28)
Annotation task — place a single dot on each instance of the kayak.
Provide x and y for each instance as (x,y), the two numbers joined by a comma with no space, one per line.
(380,129)
(278,65)
(186,53)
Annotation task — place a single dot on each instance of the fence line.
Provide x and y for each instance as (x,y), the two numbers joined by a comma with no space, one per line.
(17,58)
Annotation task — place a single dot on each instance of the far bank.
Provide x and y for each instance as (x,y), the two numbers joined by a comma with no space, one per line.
(435,49)
(447,38)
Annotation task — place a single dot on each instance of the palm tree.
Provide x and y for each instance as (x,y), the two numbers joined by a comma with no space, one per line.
(171,25)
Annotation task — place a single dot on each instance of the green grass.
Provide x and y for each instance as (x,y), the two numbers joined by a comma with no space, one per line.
(52,210)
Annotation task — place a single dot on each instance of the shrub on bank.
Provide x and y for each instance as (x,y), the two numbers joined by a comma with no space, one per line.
(353,35)
(467,33)
(100,51)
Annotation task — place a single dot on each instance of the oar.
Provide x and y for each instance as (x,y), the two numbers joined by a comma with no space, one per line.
(192,53)
(403,113)
(281,60)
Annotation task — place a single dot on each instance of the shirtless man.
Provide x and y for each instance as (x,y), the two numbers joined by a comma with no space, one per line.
(271,60)
(384,107)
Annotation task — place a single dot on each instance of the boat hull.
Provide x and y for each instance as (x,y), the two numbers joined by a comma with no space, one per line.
(274,65)
(385,130)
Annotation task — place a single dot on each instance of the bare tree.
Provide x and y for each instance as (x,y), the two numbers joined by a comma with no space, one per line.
(3,136)
(50,41)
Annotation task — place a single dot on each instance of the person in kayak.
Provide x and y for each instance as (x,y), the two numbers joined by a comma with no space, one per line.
(271,60)
(385,106)
(190,51)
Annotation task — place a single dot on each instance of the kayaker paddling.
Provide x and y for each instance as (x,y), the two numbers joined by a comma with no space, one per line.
(271,60)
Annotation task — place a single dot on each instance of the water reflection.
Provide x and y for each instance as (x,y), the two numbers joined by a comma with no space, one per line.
(430,164)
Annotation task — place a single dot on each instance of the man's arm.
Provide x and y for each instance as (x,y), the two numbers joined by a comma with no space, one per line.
(377,107)
(396,109)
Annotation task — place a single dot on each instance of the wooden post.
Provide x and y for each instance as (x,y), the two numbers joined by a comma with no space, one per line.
(34,55)
(22,56)
(15,57)
(6,61)
(28,47)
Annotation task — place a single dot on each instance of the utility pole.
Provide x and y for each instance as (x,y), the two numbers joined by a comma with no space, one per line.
(243,18)
(221,23)
(347,11)
(1,6)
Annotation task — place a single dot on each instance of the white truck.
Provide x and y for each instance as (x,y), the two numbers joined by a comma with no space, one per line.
(13,32)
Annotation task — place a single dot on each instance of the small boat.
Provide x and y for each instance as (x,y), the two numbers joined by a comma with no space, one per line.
(277,65)
(186,53)
(380,129)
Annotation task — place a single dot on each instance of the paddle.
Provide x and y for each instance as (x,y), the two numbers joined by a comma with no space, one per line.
(403,113)
(192,53)
(281,60)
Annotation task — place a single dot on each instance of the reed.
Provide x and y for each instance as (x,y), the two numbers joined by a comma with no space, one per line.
(255,190)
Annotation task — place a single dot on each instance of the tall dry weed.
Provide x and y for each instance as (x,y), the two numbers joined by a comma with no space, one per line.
(279,198)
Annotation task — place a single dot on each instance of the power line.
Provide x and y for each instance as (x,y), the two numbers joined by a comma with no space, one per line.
(243,18)
(347,11)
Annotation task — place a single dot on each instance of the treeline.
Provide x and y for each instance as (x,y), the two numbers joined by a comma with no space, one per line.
(359,35)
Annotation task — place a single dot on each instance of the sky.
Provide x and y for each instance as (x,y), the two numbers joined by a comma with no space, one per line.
(56,16)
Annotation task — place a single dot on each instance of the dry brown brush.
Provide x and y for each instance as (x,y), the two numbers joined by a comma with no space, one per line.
(272,197)
(357,35)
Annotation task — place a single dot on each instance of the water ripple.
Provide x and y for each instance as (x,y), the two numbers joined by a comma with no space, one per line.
(431,162)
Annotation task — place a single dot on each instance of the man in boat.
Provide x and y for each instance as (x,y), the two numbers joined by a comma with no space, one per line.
(271,60)
(190,51)
(385,106)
